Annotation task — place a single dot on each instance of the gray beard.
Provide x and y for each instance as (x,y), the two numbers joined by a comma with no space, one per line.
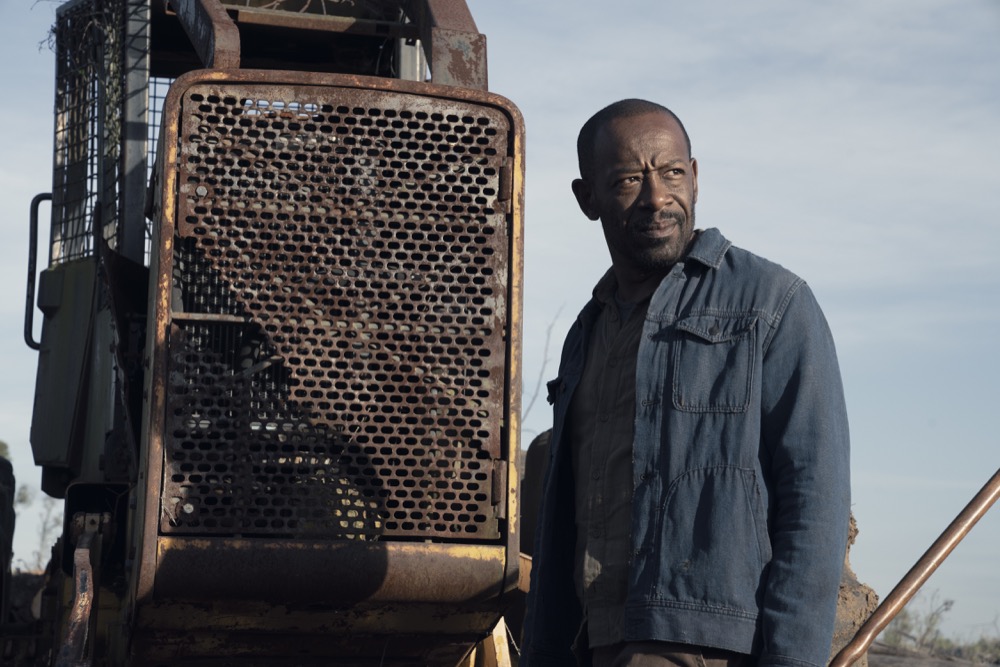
(647,258)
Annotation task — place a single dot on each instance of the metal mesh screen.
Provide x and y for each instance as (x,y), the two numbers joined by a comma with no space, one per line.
(89,85)
(338,347)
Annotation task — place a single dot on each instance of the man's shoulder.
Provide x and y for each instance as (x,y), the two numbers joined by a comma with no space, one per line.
(743,260)
(737,280)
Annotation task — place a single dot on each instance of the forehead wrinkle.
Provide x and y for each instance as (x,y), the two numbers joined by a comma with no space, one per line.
(636,163)
(621,146)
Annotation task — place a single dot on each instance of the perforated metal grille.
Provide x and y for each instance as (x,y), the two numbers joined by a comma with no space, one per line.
(339,341)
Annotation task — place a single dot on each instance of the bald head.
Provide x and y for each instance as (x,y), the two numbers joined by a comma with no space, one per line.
(587,139)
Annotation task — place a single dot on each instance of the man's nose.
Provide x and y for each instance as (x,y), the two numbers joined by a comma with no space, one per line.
(655,193)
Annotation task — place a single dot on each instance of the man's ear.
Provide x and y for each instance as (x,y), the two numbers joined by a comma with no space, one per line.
(585,198)
(694,173)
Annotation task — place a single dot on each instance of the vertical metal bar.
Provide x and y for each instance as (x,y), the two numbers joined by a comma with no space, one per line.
(919,573)
(98,217)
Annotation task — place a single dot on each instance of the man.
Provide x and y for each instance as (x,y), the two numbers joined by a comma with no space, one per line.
(696,506)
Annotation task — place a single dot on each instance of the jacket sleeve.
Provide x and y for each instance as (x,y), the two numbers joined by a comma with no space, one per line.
(805,444)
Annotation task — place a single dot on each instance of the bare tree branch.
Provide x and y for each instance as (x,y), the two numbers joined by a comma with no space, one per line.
(541,370)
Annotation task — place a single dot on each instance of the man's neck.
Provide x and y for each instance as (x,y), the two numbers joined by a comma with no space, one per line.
(633,287)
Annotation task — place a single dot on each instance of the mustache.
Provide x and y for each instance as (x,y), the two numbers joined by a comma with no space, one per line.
(646,222)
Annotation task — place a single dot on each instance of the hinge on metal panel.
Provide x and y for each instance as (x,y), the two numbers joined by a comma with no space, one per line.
(500,487)
(506,193)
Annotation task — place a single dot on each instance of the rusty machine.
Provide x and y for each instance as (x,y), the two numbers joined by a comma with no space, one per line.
(278,380)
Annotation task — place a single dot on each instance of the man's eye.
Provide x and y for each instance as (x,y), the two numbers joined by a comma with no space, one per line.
(629,180)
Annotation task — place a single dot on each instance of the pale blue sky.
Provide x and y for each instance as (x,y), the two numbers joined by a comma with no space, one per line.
(856,143)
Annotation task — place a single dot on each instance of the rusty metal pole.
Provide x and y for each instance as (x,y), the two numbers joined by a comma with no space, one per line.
(919,573)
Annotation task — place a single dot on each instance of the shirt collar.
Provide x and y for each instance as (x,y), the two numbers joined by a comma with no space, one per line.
(604,291)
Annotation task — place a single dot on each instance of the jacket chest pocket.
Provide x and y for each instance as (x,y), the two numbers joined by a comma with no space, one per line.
(713,363)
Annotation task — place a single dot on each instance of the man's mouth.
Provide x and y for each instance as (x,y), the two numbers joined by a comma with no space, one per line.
(661,227)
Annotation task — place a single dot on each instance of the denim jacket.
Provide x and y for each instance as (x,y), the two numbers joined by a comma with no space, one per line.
(740,470)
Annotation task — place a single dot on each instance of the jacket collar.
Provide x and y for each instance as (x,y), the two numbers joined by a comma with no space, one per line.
(709,248)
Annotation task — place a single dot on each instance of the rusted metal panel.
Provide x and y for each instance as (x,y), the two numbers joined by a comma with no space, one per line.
(322,237)
(458,58)
(362,239)
(215,37)
(299,572)
(514,371)
(370,637)
(142,540)
(455,48)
